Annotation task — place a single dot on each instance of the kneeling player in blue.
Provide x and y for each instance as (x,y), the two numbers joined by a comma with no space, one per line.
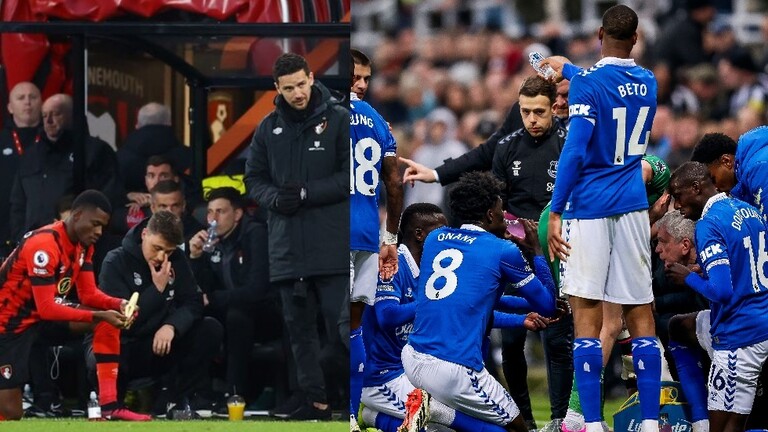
(731,246)
(463,273)
(739,169)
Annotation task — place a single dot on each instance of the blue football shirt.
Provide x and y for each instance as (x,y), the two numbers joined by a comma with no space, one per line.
(463,273)
(371,141)
(603,178)
(732,233)
(385,342)
(752,169)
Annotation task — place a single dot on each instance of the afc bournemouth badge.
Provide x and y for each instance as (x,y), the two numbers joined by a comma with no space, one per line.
(320,128)
(6,371)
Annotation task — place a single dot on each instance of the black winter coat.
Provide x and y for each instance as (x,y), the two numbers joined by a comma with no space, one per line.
(237,271)
(315,152)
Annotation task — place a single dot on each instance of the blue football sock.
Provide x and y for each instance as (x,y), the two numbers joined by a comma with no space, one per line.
(356,367)
(387,423)
(691,374)
(466,423)
(587,367)
(646,357)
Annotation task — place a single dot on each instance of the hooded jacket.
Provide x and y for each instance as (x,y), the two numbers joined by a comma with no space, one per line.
(125,271)
(315,153)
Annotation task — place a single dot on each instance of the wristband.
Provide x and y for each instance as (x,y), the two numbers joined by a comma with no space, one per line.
(389,239)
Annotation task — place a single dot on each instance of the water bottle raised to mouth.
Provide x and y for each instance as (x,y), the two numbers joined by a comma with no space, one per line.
(208,246)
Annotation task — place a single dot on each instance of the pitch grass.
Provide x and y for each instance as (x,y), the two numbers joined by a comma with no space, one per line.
(82,425)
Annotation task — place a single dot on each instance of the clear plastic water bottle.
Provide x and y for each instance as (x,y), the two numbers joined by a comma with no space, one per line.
(535,59)
(208,246)
(94,409)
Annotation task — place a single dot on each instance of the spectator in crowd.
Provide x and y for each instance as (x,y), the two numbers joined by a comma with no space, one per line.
(170,334)
(234,278)
(298,169)
(45,173)
(20,131)
(740,75)
(154,135)
(35,282)
(681,42)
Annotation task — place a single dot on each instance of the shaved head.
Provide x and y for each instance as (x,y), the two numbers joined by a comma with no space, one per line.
(57,115)
(24,104)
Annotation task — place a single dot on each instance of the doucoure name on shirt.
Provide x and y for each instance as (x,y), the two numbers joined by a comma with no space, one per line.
(456,236)
(632,89)
(359,119)
(744,213)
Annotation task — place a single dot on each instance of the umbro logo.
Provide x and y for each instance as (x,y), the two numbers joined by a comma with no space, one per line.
(277,130)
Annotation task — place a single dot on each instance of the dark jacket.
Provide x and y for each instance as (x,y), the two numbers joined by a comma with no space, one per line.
(46,174)
(149,140)
(480,158)
(315,153)
(528,166)
(125,271)
(9,164)
(237,271)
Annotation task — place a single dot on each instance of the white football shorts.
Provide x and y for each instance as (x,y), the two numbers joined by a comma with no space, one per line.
(475,393)
(702,331)
(733,378)
(610,258)
(363,276)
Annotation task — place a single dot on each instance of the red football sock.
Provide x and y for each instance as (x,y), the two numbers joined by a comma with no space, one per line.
(106,349)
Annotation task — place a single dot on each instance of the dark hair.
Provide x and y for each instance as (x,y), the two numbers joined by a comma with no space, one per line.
(157,160)
(92,199)
(711,146)
(289,63)
(359,58)
(474,194)
(167,225)
(535,85)
(414,214)
(620,22)
(64,203)
(228,193)
(690,172)
(166,187)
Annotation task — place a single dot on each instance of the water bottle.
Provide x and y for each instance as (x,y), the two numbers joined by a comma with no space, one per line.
(535,59)
(94,409)
(208,246)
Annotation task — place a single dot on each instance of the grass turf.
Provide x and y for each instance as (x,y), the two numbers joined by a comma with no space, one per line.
(82,425)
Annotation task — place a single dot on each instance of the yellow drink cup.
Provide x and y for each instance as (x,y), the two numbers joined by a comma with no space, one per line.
(235,407)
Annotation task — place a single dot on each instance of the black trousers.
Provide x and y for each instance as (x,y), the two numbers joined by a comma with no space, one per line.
(188,362)
(558,352)
(245,325)
(302,302)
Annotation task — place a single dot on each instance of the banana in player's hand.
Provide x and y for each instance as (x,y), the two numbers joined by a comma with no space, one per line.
(130,310)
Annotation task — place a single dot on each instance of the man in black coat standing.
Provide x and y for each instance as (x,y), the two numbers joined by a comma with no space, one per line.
(298,169)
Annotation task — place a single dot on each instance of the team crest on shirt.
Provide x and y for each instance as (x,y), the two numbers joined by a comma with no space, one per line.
(516,167)
(6,371)
(552,171)
(40,259)
(216,256)
(136,279)
(320,128)
(64,285)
